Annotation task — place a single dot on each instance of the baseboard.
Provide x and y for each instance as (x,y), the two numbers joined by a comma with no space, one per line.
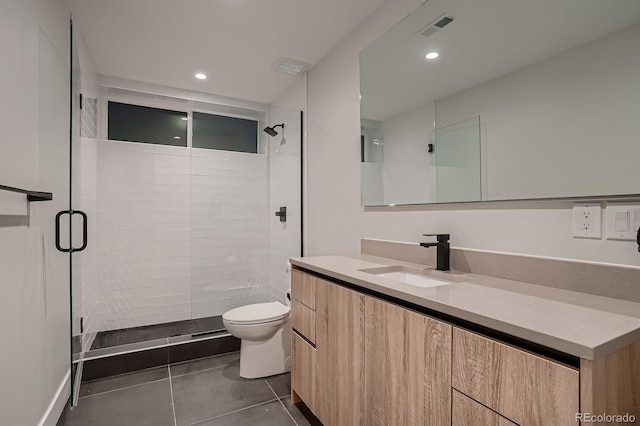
(59,401)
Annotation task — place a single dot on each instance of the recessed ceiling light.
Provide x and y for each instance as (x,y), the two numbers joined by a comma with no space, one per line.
(201,76)
(432,55)
(177,137)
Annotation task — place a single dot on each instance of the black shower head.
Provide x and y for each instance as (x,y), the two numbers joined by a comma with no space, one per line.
(271,131)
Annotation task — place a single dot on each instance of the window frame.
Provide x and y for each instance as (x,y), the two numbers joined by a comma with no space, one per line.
(244,117)
(184,102)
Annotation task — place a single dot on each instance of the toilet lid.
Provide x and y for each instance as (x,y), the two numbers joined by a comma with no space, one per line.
(257,313)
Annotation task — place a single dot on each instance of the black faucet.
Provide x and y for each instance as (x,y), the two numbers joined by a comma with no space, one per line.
(442,256)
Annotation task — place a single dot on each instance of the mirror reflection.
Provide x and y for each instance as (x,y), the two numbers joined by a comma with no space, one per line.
(500,100)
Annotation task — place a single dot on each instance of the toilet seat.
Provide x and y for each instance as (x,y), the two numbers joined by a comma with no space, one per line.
(259,313)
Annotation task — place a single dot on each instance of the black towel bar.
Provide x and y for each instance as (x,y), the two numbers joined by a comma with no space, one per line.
(31,195)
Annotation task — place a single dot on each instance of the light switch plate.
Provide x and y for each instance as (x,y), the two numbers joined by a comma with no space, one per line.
(616,215)
(587,220)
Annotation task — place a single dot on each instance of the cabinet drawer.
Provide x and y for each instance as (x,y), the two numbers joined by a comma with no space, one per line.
(467,412)
(303,320)
(303,371)
(303,288)
(526,388)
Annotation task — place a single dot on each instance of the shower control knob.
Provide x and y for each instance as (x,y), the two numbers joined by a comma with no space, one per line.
(282,214)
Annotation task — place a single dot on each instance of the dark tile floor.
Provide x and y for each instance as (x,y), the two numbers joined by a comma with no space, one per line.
(207,391)
(125,336)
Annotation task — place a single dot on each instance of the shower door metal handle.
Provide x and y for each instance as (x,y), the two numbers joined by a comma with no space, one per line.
(84,231)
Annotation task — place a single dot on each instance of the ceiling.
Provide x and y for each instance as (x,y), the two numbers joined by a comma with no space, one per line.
(235,42)
(487,39)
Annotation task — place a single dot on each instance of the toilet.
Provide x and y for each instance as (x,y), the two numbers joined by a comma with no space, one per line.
(265,333)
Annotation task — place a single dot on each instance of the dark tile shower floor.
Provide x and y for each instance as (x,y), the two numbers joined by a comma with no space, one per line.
(207,391)
(125,336)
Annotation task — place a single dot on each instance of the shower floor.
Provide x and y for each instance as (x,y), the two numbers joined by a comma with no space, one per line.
(126,336)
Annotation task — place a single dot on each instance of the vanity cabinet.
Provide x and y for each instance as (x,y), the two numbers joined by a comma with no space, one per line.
(407,367)
(304,367)
(523,387)
(339,354)
(362,360)
(303,322)
(376,363)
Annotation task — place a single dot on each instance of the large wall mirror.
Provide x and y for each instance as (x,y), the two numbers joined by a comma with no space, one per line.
(468,100)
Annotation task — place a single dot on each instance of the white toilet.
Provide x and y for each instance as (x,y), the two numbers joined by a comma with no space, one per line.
(265,331)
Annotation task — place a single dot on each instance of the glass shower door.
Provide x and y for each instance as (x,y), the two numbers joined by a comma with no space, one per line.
(455,169)
(78,220)
(246,217)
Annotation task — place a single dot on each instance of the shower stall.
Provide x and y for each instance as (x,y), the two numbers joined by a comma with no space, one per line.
(175,216)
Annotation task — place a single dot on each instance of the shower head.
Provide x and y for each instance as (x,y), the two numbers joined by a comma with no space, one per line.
(271,131)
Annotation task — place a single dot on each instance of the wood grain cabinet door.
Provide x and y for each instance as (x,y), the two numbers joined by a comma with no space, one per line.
(467,412)
(303,372)
(303,287)
(407,367)
(524,387)
(339,354)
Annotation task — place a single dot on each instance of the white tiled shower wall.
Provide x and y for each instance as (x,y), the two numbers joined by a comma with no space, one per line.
(285,183)
(229,230)
(182,233)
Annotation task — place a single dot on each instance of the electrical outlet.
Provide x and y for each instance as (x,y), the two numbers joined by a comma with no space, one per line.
(623,221)
(587,220)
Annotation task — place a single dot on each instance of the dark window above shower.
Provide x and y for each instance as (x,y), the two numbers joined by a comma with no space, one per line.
(224,133)
(134,123)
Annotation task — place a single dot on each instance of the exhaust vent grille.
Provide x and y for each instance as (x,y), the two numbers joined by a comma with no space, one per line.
(435,26)
(443,22)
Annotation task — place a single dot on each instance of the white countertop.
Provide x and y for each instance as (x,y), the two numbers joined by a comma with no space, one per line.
(578,324)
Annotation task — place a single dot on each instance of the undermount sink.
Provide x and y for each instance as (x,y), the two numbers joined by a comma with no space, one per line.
(406,275)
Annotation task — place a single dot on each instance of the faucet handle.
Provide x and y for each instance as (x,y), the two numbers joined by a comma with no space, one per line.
(441,238)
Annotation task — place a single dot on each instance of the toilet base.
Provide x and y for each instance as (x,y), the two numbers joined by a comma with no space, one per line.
(267,357)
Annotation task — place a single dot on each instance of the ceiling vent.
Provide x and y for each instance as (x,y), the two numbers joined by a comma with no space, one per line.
(290,66)
(437,25)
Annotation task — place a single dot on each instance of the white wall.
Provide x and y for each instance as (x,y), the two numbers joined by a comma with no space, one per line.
(336,221)
(335,217)
(575,115)
(406,160)
(34,308)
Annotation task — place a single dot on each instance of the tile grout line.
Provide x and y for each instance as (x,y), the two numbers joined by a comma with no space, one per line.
(281,403)
(199,371)
(232,412)
(207,357)
(122,388)
(288,412)
(173,402)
